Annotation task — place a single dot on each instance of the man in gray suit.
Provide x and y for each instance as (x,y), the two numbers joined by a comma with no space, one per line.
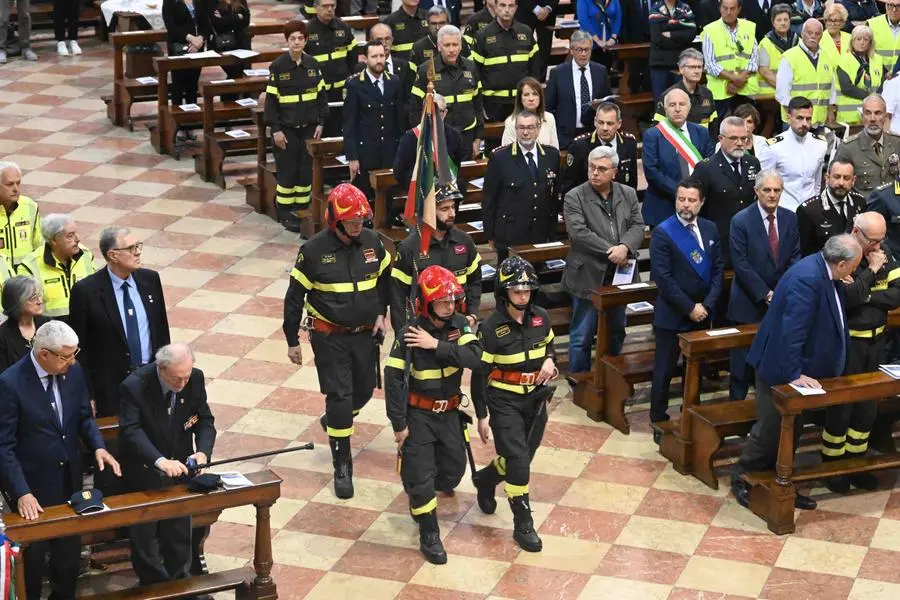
(606,229)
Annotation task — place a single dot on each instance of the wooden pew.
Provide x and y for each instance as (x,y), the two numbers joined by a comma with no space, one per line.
(324,154)
(633,105)
(128,90)
(141,507)
(260,192)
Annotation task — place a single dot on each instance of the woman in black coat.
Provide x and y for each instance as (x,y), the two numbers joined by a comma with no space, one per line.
(184,35)
(23,303)
(228,23)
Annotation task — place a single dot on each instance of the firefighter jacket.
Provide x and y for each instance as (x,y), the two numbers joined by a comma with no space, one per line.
(871,296)
(334,47)
(503,58)
(295,94)
(460,87)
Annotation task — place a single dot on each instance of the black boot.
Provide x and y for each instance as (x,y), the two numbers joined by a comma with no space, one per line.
(523,524)
(839,484)
(486,481)
(287,218)
(343,467)
(430,544)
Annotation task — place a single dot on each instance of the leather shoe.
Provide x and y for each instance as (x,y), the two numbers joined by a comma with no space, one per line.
(741,491)
(839,484)
(864,481)
(804,502)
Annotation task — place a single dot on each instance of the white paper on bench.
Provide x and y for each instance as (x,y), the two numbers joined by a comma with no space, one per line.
(477,225)
(555,264)
(892,370)
(207,54)
(624,273)
(342,158)
(487,271)
(547,245)
(217,81)
(256,72)
(477,183)
(246,102)
(470,206)
(241,53)
(808,391)
(147,80)
(636,307)
(717,332)
(633,286)
(189,108)
(237,134)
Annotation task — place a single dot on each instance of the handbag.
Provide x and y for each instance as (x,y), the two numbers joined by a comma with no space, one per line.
(223,42)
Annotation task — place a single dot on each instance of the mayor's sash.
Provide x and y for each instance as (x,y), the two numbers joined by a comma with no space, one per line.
(682,143)
(688,245)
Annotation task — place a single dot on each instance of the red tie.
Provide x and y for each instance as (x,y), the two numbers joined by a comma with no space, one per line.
(773,237)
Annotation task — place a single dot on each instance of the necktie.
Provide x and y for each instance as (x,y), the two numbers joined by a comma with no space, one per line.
(532,166)
(171,396)
(585,91)
(736,165)
(840,210)
(132,332)
(54,401)
(773,237)
(878,151)
(693,229)
(380,87)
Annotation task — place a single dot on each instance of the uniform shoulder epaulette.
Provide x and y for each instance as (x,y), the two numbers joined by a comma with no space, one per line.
(885,185)
(583,136)
(809,201)
(853,138)
(774,140)
(499,148)
(818,136)
(629,136)
(889,134)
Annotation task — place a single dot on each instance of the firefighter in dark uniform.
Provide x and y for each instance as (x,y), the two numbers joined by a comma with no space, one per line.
(832,211)
(296,109)
(423,410)
(425,47)
(607,132)
(479,21)
(331,42)
(342,276)
(307,9)
(885,200)
(456,79)
(519,203)
(874,291)
(450,248)
(409,25)
(517,364)
(505,52)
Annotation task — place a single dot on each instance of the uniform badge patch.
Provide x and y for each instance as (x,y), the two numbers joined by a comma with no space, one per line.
(570,160)
(521,37)
(23,234)
(427,53)
(312,72)
(453,335)
(369,255)
(328,259)
(437,76)
(399,26)
(190,422)
(490,39)
(696,257)
(537,321)
(284,76)
(467,74)
(501,331)
(459,249)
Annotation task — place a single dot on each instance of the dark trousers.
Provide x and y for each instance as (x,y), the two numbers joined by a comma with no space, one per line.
(545,45)
(161,550)
(741,374)
(583,329)
(497,110)
(345,364)
(761,448)
(433,457)
(467,140)
(65,19)
(725,107)
(294,164)
(62,568)
(661,80)
(184,86)
(665,359)
(518,424)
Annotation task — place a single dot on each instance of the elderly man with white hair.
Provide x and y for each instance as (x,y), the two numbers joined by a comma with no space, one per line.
(20,219)
(58,264)
(164,416)
(45,415)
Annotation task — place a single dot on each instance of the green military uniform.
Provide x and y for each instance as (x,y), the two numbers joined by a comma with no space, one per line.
(504,57)
(870,164)
(20,230)
(57,278)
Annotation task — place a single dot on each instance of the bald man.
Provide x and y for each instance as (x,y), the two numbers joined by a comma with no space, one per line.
(805,71)
(395,65)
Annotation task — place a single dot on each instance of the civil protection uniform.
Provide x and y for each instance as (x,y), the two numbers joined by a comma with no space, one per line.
(504,57)
(407,30)
(295,105)
(775,49)
(333,46)
(800,160)
(20,230)
(871,163)
(344,288)
(855,79)
(733,51)
(505,387)
(823,216)
(885,39)
(578,151)
(57,278)
(812,78)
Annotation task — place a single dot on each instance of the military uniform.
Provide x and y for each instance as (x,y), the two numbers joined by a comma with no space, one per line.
(577,159)
(407,30)
(57,278)
(295,105)
(334,48)
(456,252)
(504,57)
(516,207)
(20,230)
(870,169)
(476,23)
(819,218)
(885,200)
(703,107)
(800,161)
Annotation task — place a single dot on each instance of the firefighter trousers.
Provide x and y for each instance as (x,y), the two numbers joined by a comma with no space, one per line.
(433,457)
(517,422)
(294,164)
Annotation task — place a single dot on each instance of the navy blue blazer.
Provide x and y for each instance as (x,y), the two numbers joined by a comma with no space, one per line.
(453,7)
(37,455)
(756,271)
(680,287)
(373,122)
(560,98)
(801,333)
(662,167)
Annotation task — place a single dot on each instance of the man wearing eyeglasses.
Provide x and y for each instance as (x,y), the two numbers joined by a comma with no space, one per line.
(703,107)
(886,32)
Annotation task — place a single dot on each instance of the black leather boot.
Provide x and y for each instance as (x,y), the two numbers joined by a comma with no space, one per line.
(523,524)
(486,481)
(430,544)
(343,467)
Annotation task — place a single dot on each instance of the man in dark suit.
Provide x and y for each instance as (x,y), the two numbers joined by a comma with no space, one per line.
(452,7)
(802,338)
(164,416)
(44,412)
(540,15)
(671,151)
(574,89)
(607,132)
(119,330)
(373,118)
(519,203)
(728,177)
(686,264)
(400,68)
(765,242)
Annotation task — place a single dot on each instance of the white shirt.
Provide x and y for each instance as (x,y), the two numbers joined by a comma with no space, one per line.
(837,297)
(892,98)
(800,162)
(377,81)
(45,379)
(765,218)
(389,65)
(576,79)
(527,153)
(695,230)
(784,79)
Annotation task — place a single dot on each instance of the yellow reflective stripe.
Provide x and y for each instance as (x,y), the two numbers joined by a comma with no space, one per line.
(417,91)
(469,40)
(832,451)
(401,276)
(355,411)
(477,260)
(293,99)
(385,263)
(341,288)
(550,337)
(335,85)
(500,465)
(310,96)
(396,363)
(857,435)
(403,47)
(339,433)
(509,387)
(833,439)
(334,55)
(476,57)
(284,190)
(515,490)
(321,85)
(500,93)
(534,50)
(301,278)
(511,359)
(894,274)
(433,373)
(302,188)
(866,333)
(487,357)
(271,89)
(473,125)
(466,338)
(425,508)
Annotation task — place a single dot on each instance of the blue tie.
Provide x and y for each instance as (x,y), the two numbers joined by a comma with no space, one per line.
(132,332)
(532,166)
(56,404)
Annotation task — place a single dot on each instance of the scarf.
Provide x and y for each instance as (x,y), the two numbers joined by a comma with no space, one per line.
(783,44)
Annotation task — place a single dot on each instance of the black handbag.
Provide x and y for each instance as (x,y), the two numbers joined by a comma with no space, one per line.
(223,42)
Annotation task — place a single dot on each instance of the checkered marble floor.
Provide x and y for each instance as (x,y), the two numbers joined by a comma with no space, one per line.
(617,522)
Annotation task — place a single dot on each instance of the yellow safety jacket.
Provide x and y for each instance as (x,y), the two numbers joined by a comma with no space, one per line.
(886,45)
(848,69)
(20,231)
(56,278)
(774,52)
(731,56)
(811,82)
(826,46)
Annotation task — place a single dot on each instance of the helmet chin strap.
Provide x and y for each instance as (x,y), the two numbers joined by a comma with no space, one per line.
(437,317)
(353,238)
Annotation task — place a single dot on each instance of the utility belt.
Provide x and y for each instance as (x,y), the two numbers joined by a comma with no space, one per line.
(322,326)
(867,333)
(514,377)
(432,405)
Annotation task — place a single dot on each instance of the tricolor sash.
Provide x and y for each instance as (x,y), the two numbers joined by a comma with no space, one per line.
(682,144)
(689,246)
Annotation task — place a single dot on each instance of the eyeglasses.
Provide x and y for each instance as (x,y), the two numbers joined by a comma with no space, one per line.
(868,239)
(599,169)
(34,297)
(526,127)
(736,138)
(578,50)
(135,248)
(65,359)
(835,21)
(354,222)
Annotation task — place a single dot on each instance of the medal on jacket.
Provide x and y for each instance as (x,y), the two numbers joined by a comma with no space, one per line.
(696,257)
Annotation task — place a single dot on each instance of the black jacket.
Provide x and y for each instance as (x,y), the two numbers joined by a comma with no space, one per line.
(406,29)
(577,160)
(872,295)
(405,159)
(148,432)
(681,28)
(451,81)
(818,221)
(295,94)
(494,42)
(373,122)
(12,345)
(179,22)
(334,47)
(220,18)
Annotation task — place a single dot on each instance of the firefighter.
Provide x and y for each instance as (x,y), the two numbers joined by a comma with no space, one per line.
(517,364)
(342,277)
(423,409)
(332,45)
(296,109)
(409,25)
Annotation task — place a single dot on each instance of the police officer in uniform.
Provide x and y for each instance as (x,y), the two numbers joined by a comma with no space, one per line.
(519,204)
(479,21)
(505,52)
(58,264)
(450,248)
(20,219)
(423,410)
(870,149)
(342,277)
(728,179)
(832,211)
(517,364)
(607,132)
(456,79)
(401,68)
(408,25)
(296,109)
(330,41)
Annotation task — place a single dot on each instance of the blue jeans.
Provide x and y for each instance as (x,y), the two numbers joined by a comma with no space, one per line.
(583,329)
(661,80)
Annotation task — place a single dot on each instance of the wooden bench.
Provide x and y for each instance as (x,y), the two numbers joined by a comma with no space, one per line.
(127,90)
(633,105)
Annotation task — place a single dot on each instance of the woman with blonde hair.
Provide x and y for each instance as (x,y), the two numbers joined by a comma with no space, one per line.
(530,97)
(859,73)
(834,41)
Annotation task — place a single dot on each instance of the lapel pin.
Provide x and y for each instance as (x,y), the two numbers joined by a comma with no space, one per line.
(150,298)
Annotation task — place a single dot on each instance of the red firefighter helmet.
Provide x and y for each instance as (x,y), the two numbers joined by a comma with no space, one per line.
(437,283)
(345,203)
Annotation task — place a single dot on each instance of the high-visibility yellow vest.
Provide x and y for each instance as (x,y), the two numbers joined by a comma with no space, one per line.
(886,45)
(5,271)
(826,46)
(730,56)
(20,231)
(813,83)
(55,278)
(774,53)
(847,107)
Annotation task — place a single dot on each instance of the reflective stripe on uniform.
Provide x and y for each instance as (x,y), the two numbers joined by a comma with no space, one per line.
(395,363)
(520,357)
(500,465)
(401,276)
(833,439)
(425,508)
(515,490)
(301,278)
(339,433)
(402,47)
(466,338)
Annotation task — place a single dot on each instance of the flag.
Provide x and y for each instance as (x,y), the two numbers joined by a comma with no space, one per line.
(420,210)
(8,557)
